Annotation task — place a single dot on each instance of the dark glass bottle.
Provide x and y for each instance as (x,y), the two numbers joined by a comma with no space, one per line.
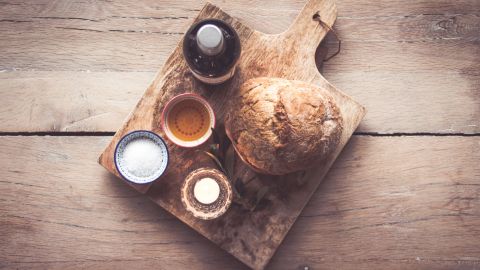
(212,49)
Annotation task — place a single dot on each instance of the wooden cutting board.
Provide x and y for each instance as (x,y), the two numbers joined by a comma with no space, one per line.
(250,236)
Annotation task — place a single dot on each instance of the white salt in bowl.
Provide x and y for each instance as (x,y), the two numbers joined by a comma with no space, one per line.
(141,157)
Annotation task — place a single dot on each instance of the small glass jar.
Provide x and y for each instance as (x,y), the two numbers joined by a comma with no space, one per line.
(212,48)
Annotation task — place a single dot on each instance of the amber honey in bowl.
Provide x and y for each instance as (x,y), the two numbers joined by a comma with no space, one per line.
(188,119)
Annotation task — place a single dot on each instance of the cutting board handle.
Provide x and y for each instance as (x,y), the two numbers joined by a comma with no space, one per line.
(307,32)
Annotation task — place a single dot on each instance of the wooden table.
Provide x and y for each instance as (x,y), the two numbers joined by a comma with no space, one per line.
(405,192)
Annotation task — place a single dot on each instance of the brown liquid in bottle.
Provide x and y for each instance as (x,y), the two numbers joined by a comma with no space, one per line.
(212,61)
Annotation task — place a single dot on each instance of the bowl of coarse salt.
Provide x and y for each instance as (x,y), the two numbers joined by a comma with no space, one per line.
(141,156)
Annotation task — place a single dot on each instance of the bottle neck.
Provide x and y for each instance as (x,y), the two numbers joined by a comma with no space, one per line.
(210,40)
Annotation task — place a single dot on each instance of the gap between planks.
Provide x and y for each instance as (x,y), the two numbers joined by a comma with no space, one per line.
(109,133)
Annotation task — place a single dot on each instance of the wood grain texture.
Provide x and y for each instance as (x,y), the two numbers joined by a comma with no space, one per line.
(143,45)
(388,202)
(69,101)
(250,236)
(100,101)
(406,61)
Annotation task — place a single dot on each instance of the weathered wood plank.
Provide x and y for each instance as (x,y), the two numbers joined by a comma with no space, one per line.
(100,101)
(407,28)
(426,42)
(105,38)
(69,101)
(398,202)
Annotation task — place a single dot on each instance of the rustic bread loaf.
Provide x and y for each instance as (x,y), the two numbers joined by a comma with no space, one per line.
(278,126)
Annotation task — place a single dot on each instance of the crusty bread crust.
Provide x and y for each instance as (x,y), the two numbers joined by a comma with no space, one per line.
(279,126)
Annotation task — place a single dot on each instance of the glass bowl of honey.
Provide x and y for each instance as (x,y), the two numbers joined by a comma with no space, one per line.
(188,120)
